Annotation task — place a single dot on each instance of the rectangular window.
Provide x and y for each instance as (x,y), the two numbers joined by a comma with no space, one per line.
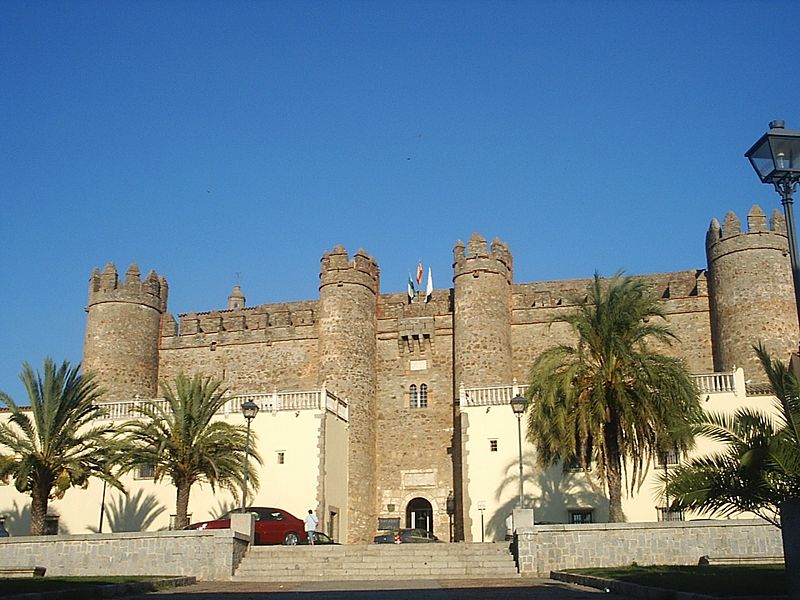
(418,395)
(281,457)
(146,472)
(581,516)
(492,445)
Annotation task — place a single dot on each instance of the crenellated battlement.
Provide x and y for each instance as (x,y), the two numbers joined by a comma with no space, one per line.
(751,296)
(336,268)
(254,322)
(107,287)
(757,226)
(476,257)
(566,293)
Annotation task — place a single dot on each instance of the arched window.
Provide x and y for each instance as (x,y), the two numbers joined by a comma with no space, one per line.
(423,395)
(413,399)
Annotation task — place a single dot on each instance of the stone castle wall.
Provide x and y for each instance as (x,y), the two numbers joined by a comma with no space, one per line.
(370,348)
(260,349)
(414,445)
(684,300)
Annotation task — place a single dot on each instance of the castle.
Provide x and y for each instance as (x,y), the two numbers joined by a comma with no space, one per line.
(405,367)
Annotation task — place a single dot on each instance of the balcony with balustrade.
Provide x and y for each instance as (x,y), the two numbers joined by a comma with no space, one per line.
(321,399)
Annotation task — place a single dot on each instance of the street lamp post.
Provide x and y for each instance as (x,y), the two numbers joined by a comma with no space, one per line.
(249,410)
(518,405)
(776,160)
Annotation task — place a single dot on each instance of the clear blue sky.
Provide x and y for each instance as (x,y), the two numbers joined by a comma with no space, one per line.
(205,139)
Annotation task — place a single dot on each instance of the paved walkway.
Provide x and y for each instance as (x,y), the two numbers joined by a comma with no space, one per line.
(513,589)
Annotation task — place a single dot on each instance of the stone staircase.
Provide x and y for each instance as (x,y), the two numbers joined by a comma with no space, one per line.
(377,562)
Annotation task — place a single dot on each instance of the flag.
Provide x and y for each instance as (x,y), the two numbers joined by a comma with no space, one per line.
(410,288)
(419,274)
(429,287)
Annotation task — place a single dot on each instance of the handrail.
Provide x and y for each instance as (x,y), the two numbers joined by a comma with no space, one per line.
(273,402)
(706,383)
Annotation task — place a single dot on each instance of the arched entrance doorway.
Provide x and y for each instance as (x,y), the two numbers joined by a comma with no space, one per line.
(419,514)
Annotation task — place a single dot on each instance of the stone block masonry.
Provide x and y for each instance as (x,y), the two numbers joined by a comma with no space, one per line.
(546,548)
(207,555)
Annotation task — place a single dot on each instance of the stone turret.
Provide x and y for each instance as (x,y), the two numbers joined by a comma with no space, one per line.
(482,313)
(347,349)
(122,332)
(236,298)
(750,288)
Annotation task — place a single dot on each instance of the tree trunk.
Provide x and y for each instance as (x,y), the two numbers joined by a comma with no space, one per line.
(613,468)
(182,505)
(790,529)
(39,498)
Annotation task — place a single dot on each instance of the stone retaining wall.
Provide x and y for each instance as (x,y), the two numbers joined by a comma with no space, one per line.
(208,555)
(546,548)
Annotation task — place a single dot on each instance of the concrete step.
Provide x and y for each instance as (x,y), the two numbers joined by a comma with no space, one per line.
(376,562)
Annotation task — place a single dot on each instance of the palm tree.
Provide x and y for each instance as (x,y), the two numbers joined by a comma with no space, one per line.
(610,399)
(181,440)
(56,446)
(758,467)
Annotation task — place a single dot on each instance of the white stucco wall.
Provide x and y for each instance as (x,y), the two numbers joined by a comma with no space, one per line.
(296,486)
(491,479)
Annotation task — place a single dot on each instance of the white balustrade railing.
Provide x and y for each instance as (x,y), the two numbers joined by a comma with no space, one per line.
(273,402)
(487,396)
(715,383)
(706,383)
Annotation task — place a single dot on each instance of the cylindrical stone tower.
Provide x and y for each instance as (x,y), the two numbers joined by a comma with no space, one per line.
(750,291)
(347,360)
(123,331)
(482,313)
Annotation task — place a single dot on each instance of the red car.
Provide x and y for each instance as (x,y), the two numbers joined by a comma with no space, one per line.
(273,525)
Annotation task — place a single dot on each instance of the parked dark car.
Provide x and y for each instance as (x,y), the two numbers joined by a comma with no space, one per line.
(405,536)
(321,539)
(273,525)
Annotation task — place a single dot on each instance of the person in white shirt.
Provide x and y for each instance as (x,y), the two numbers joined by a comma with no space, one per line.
(311,526)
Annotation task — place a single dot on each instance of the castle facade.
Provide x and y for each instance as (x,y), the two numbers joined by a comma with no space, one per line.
(405,368)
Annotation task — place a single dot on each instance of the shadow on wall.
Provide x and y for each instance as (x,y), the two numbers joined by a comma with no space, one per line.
(18,520)
(223,508)
(135,513)
(558,491)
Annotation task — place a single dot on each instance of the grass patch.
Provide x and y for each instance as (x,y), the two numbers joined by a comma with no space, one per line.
(713,580)
(82,587)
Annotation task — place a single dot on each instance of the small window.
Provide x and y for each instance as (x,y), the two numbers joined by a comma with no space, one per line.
(146,472)
(492,445)
(581,516)
(418,396)
(281,457)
